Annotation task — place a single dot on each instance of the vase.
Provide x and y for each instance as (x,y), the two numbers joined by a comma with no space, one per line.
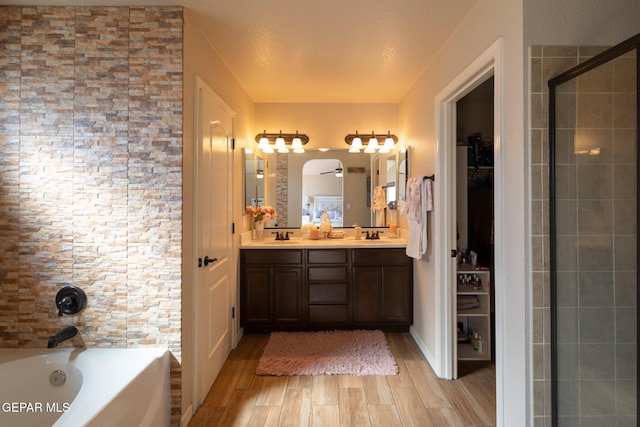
(259,227)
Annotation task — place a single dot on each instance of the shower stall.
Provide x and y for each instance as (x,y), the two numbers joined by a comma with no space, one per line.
(593,145)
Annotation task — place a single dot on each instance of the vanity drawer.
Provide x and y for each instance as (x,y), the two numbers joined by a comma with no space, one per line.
(328,256)
(271,257)
(387,256)
(327,313)
(335,274)
(329,292)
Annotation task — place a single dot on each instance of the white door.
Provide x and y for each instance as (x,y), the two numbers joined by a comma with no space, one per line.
(213,197)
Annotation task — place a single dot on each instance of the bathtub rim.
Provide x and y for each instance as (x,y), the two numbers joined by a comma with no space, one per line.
(86,405)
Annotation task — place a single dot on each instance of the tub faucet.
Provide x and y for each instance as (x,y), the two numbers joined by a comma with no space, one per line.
(65,334)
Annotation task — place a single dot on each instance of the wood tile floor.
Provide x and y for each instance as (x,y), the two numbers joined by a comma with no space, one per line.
(414,397)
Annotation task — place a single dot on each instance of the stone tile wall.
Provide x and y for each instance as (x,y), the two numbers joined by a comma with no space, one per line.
(91,175)
(282,188)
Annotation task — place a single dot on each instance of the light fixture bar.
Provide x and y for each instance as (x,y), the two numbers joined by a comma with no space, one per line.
(354,139)
(288,137)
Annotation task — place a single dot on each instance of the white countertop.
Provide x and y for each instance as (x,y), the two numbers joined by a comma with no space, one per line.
(300,243)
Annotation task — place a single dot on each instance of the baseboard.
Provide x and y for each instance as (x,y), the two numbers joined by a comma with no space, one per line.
(423,349)
(239,336)
(186,417)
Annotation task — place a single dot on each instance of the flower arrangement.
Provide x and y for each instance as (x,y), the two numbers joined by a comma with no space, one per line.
(261,213)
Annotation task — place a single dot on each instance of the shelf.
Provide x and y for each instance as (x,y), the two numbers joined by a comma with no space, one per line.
(468,268)
(473,292)
(473,312)
(466,352)
(477,318)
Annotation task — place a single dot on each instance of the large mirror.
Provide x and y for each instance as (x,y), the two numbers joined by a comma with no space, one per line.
(254,173)
(403,175)
(300,190)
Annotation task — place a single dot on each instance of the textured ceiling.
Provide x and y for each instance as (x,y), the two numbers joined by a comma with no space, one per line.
(319,51)
(329,50)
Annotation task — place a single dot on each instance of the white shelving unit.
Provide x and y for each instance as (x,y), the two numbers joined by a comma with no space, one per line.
(478,317)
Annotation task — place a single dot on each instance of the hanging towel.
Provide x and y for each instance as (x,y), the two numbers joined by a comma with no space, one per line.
(378,201)
(419,201)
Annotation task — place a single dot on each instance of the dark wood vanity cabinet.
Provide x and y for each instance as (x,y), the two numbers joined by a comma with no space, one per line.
(311,289)
(271,295)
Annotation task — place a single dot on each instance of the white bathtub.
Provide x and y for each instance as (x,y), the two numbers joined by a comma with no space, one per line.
(103,387)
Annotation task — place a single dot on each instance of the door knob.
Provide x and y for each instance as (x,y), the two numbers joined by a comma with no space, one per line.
(208,260)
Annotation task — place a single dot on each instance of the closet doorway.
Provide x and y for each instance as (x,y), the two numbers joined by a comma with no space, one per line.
(486,66)
(474,206)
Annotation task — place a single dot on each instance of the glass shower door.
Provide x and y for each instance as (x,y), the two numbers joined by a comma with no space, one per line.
(594,229)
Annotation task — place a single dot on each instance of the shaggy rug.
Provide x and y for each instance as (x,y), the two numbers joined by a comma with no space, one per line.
(357,352)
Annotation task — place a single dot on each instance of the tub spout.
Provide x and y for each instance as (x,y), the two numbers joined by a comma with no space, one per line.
(65,334)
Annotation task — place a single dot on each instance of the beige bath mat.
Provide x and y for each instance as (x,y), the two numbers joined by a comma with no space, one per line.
(357,352)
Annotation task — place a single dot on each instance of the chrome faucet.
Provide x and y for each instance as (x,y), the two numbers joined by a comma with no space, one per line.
(62,336)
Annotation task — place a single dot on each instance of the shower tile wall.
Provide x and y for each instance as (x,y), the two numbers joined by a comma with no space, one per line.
(91,175)
(596,249)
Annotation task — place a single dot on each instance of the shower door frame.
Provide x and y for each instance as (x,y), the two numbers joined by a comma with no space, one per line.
(628,45)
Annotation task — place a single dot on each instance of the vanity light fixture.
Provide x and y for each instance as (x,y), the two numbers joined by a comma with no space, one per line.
(355,142)
(267,142)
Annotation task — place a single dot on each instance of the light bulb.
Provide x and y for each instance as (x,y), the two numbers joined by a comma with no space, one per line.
(389,143)
(296,144)
(372,146)
(280,144)
(356,144)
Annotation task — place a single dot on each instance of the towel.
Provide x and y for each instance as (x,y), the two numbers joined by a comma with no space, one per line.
(412,209)
(379,200)
(419,201)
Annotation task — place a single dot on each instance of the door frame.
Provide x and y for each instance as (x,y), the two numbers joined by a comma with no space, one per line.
(197,280)
(490,63)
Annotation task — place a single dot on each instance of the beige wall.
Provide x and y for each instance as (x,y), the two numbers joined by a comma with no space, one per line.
(326,124)
(487,21)
(580,22)
(201,60)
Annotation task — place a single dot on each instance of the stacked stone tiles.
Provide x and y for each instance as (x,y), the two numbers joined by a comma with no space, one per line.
(91,174)
(10,45)
(282,188)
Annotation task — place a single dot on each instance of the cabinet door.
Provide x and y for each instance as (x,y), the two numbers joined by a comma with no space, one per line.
(382,294)
(397,303)
(367,294)
(287,294)
(256,295)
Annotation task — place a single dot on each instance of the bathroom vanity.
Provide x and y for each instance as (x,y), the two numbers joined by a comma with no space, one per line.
(316,285)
